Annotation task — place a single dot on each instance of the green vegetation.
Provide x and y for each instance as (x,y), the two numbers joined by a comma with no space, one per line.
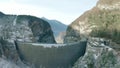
(109,2)
(106,60)
(107,25)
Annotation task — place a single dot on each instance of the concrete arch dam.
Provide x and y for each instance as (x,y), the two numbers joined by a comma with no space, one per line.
(52,55)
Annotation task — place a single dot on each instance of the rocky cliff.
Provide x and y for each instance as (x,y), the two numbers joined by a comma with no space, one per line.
(99,54)
(25,28)
(60,37)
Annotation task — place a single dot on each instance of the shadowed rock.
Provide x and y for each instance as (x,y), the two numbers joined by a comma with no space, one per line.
(25,28)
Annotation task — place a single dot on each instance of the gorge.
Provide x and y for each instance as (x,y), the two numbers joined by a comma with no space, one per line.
(21,40)
(91,41)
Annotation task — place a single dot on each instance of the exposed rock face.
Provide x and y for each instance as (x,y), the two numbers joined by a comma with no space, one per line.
(9,56)
(72,35)
(60,37)
(98,22)
(99,55)
(8,50)
(41,30)
(9,64)
(26,29)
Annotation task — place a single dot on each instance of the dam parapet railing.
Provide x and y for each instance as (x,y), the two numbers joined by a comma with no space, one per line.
(50,45)
(52,55)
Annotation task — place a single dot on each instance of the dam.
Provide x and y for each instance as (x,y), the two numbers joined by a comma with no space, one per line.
(51,55)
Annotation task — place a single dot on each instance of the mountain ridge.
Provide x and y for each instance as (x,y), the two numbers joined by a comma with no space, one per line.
(93,19)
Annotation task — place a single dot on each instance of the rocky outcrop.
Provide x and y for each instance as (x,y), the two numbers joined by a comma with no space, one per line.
(72,35)
(8,50)
(99,55)
(97,22)
(60,37)
(9,56)
(25,28)
(9,64)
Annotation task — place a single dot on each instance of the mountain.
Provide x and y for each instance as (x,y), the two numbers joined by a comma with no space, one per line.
(25,28)
(56,26)
(59,29)
(100,26)
(101,21)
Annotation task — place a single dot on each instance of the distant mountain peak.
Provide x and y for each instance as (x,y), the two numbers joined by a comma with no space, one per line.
(55,21)
(44,18)
(56,26)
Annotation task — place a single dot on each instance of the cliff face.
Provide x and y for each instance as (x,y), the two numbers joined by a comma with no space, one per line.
(25,28)
(99,55)
(98,22)
(60,37)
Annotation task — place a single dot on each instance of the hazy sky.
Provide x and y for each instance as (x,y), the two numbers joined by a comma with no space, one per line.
(65,11)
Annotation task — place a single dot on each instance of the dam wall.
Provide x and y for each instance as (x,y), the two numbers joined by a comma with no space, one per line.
(52,55)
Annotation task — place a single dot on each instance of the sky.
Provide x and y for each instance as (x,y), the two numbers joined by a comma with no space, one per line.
(65,11)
